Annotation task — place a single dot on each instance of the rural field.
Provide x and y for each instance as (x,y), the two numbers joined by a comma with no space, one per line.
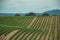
(29,27)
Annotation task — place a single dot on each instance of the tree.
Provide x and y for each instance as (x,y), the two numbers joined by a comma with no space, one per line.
(17,14)
(45,14)
(31,14)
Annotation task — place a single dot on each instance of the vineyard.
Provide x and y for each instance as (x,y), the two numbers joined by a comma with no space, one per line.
(30,28)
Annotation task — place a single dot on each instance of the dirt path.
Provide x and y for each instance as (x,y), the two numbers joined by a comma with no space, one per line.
(8,36)
(47,36)
(32,22)
(2,37)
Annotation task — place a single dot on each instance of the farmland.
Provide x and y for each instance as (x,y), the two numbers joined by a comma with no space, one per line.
(29,27)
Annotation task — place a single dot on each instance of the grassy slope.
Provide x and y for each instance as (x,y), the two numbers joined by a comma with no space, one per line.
(20,21)
(13,22)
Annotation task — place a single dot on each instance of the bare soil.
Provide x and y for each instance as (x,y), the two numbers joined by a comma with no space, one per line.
(8,36)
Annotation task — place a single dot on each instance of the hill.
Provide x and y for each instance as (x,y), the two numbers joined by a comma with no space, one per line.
(53,12)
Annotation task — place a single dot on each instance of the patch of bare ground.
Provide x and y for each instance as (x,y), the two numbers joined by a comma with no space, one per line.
(47,36)
(2,37)
(31,22)
(8,36)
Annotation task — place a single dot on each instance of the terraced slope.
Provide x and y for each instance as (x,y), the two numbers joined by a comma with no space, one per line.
(42,28)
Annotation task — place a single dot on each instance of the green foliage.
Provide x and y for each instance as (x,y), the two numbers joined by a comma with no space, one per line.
(20,21)
(31,14)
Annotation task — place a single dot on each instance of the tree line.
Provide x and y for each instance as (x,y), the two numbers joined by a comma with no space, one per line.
(34,14)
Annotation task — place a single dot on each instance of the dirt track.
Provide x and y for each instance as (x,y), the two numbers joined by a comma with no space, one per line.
(8,36)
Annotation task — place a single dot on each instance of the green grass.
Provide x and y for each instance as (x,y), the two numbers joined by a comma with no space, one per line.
(6,29)
(21,21)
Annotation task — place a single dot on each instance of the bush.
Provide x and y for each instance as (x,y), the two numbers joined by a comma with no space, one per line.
(30,14)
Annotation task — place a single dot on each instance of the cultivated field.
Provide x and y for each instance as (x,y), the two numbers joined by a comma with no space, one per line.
(29,27)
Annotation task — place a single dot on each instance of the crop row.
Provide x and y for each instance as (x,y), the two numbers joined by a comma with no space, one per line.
(43,28)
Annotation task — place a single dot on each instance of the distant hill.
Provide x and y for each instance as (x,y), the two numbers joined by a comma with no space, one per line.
(7,14)
(53,12)
(11,14)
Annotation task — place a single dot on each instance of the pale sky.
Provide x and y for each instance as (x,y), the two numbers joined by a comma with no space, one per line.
(25,6)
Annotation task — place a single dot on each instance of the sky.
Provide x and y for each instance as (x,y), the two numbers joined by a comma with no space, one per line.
(25,6)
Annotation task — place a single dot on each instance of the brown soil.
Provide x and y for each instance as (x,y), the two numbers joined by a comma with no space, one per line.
(8,36)
(16,35)
(32,22)
(2,37)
